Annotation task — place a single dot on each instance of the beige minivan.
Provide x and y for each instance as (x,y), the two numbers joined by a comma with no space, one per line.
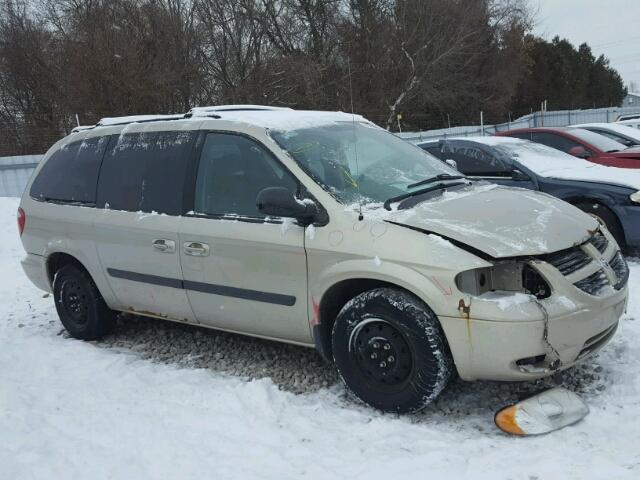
(323,230)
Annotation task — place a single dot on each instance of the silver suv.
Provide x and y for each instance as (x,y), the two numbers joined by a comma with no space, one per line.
(323,230)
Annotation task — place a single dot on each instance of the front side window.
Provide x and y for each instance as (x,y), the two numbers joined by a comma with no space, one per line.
(145,172)
(356,162)
(71,173)
(474,161)
(233,169)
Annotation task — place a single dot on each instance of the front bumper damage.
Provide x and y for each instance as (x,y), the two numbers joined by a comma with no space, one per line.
(513,336)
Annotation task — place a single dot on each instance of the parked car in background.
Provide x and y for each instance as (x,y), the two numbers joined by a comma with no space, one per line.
(582,144)
(319,229)
(610,194)
(628,116)
(634,123)
(624,134)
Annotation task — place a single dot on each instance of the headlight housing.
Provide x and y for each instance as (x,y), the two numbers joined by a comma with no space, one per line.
(635,197)
(508,276)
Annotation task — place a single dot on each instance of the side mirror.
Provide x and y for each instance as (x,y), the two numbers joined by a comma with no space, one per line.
(519,176)
(579,151)
(280,202)
(452,163)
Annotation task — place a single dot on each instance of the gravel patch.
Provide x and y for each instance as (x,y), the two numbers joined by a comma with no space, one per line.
(293,368)
(302,370)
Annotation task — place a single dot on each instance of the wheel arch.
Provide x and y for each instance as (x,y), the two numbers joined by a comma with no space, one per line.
(603,201)
(57,260)
(340,291)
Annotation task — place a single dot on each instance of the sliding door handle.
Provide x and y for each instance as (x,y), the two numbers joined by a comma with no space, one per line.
(196,249)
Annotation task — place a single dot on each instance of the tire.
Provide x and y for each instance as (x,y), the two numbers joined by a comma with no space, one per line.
(606,216)
(412,363)
(80,306)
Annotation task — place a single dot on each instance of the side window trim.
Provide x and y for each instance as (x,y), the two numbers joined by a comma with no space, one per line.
(192,173)
(112,138)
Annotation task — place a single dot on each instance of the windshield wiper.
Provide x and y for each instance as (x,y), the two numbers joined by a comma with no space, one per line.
(438,186)
(442,176)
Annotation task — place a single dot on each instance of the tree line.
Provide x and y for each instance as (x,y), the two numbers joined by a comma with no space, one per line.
(433,62)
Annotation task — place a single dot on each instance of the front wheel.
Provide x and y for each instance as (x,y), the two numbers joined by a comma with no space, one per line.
(390,350)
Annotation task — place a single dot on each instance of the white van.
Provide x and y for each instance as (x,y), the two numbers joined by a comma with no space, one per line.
(323,230)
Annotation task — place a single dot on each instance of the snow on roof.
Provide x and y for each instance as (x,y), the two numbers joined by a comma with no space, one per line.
(277,118)
(287,119)
(82,128)
(490,140)
(206,111)
(551,163)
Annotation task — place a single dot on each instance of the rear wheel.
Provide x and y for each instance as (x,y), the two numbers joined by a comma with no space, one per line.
(81,308)
(606,216)
(390,350)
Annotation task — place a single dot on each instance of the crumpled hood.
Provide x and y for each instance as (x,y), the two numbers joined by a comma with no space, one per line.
(500,221)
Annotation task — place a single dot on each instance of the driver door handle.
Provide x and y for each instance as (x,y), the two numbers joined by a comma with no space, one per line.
(196,249)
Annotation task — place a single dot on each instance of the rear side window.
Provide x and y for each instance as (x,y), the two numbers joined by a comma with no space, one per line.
(145,172)
(71,173)
(555,141)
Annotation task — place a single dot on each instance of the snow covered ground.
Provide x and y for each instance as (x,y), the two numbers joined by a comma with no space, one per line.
(158,400)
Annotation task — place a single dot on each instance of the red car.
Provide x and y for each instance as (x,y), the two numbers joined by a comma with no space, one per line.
(581,143)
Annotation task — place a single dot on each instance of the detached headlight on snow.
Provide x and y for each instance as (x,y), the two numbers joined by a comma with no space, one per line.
(508,276)
(635,197)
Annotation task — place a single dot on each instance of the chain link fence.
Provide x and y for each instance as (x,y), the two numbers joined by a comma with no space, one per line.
(556,118)
(15,173)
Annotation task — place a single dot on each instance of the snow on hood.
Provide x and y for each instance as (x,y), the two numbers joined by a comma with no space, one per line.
(551,163)
(500,221)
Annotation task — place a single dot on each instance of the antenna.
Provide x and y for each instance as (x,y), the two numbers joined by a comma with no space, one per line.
(355,142)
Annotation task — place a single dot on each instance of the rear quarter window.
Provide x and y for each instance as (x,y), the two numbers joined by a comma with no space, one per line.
(145,172)
(70,174)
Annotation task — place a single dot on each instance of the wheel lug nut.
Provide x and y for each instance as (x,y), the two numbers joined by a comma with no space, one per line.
(383,364)
(376,345)
(391,359)
(374,355)
(387,346)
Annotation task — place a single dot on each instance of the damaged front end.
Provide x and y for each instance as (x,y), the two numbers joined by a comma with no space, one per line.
(528,317)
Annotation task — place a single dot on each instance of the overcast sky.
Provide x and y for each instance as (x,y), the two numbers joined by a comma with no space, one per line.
(610,27)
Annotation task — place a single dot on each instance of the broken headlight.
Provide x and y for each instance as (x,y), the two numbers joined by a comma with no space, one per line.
(508,276)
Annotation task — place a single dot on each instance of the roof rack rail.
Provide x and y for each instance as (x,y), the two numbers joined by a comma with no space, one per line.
(109,121)
(211,111)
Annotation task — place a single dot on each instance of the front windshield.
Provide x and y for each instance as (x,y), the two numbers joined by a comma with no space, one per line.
(385,165)
(602,143)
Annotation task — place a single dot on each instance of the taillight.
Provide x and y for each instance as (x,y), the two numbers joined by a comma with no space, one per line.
(22,218)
